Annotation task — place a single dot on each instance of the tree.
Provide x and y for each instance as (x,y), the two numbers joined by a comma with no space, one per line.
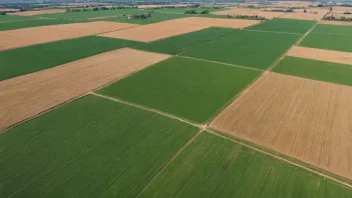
(304,11)
(330,9)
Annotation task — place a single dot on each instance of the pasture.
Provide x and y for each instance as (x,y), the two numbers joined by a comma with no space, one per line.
(338,42)
(211,165)
(25,60)
(84,149)
(316,70)
(246,48)
(177,44)
(285,25)
(184,87)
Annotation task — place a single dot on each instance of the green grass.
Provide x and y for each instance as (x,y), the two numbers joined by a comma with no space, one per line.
(246,48)
(89,148)
(9,18)
(184,87)
(30,59)
(214,167)
(285,25)
(177,44)
(316,70)
(328,41)
(92,14)
(156,17)
(333,29)
(33,23)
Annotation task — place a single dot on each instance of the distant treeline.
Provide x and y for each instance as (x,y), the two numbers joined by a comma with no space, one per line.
(255,17)
(332,18)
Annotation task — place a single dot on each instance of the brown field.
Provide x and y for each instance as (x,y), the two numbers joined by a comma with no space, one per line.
(33,13)
(214,22)
(249,12)
(302,118)
(342,8)
(292,4)
(155,31)
(320,54)
(302,16)
(8,10)
(36,35)
(26,96)
(335,22)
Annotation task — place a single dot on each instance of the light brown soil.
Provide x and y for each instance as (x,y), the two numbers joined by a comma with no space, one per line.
(336,22)
(36,35)
(155,31)
(320,54)
(302,16)
(302,118)
(26,96)
(249,12)
(335,8)
(33,13)
(8,10)
(214,22)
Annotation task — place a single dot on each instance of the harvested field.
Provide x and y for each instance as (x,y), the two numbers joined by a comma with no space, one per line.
(93,14)
(305,119)
(322,55)
(249,12)
(285,25)
(211,165)
(316,70)
(214,22)
(8,10)
(336,23)
(84,148)
(25,96)
(36,35)
(38,12)
(302,16)
(25,60)
(184,87)
(337,42)
(34,23)
(341,8)
(156,31)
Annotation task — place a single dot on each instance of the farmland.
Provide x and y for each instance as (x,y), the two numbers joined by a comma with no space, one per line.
(177,44)
(248,48)
(215,166)
(61,153)
(183,10)
(8,18)
(187,88)
(33,23)
(25,60)
(92,14)
(332,29)
(316,70)
(155,17)
(285,25)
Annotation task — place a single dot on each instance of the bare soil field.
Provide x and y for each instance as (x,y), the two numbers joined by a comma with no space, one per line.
(321,54)
(249,12)
(292,4)
(155,31)
(305,119)
(36,35)
(8,10)
(341,8)
(303,16)
(335,22)
(26,96)
(214,22)
(37,12)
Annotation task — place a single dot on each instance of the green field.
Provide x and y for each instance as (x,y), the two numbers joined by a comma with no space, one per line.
(89,148)
(333,29)
(184,87)
(316,70)
(246,48)
(285,25)
(8,18)
(92,14)
(34,58)
(215,167)
(328,41)
(183,10)
(177,44)
(156,17)
(33,23)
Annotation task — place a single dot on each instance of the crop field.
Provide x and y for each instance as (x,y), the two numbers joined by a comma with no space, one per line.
(248,48)
(155,31)
(36,35)
(329,41)
(211,165)
(183,10)
(26,96)
(177,44)
(285,25)
(25,60)
(218,22)
(332,29)
(92,14)
(248,12)
(33,23)
(39,12)
(184,87)
(8,18)
(84,149)
(156,17)
(316,70)
(305,119)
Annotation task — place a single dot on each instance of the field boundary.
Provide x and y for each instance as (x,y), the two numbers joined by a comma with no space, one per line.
(169,162)
(273,32)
